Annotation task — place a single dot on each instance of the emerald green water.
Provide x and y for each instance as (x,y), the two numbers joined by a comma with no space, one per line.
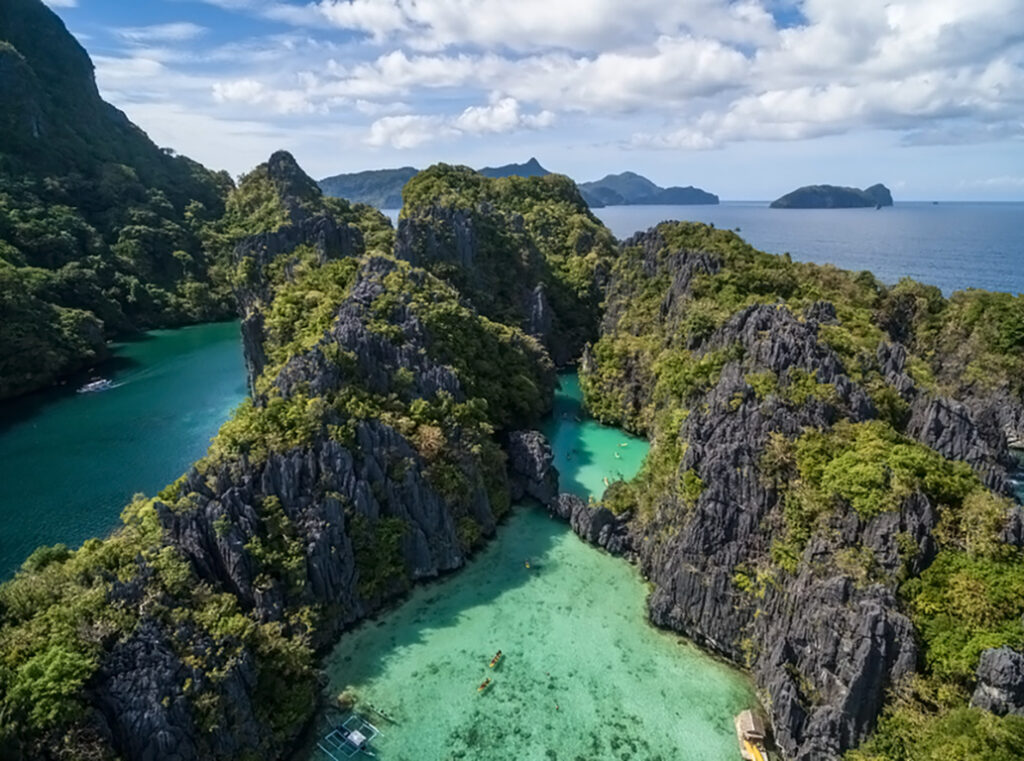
(586,452)
(69,462)
(583,675)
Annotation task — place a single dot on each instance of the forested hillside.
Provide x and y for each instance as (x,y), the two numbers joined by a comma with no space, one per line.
(100,230)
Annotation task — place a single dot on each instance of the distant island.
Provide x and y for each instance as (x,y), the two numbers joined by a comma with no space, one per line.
(834,197)
(632,189)
(531,168)
(382,188)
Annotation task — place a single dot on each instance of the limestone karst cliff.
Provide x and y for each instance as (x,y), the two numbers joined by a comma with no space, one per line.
(813,489)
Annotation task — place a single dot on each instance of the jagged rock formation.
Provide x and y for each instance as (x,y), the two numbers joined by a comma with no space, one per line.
(752,551)
(814,505)
(594,524)
(1000,682)
(531,467)
(308,225)
(524,251)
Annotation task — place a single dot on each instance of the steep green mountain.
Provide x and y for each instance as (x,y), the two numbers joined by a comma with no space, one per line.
(381,188)
(99,228)
(531,168)
(525,251)
(826,499)
(833,197)
(630,188)
(368,458)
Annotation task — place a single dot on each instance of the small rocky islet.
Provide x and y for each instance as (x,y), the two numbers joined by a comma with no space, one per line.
(826,502)
(835,197)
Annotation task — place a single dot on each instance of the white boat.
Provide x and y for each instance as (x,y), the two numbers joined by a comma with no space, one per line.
(94,387)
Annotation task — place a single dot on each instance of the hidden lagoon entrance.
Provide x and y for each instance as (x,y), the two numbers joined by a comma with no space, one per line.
(583,675)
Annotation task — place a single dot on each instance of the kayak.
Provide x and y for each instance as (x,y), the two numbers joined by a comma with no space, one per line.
(495,659)
(484,686)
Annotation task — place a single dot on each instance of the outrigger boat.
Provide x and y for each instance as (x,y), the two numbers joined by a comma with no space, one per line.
(485,685)
(353,736)
(496,658)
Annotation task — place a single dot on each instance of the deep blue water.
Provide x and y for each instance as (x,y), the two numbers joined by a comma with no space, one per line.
(951,245)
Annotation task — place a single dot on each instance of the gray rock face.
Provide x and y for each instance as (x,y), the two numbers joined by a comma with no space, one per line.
(444,234)
(824,647)
(597,525)
(826,641)
(321,491)
(1000,682)
(949,427)
(531,467)
(141,699)
(495,262)
(323,234)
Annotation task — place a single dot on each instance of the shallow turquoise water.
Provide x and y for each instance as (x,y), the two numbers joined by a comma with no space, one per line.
(69,462)
(583,675)
(586,452)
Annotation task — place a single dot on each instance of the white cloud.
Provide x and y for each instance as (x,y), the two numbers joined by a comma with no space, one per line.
(407,131)
(254,93)
(240,90)
(412,130)
(503,115)
(62,3)
(692,74)
(175,32)
(578,25)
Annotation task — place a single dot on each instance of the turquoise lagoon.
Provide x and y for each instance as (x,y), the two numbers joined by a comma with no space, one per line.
(584,676)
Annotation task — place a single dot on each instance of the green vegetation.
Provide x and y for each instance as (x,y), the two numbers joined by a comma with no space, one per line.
(970,599)
(524,231)
(100,230)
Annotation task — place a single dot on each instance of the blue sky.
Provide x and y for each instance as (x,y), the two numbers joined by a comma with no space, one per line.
(746,98)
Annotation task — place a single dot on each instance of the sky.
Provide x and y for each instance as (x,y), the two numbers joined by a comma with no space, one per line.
(747,99)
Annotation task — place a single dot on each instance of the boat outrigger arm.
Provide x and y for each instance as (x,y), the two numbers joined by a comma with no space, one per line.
(352,737)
